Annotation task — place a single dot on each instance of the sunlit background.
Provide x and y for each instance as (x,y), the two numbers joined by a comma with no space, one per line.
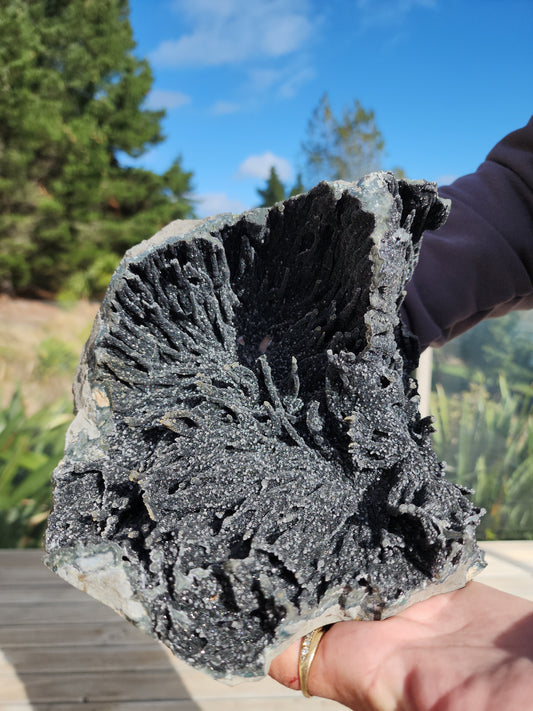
(88,168)
(239,80)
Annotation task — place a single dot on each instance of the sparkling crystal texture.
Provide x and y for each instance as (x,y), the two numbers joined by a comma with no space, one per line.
(247,461)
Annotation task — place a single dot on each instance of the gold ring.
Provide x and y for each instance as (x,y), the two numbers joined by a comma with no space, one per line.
(307,653)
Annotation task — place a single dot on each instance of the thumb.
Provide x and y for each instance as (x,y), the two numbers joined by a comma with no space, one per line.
(327,668)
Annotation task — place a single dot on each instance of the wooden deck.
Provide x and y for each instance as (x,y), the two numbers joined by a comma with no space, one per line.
(61,650)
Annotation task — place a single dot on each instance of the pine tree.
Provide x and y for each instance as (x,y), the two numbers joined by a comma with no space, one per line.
(342,148)
(298,187)
(274,190)
(71,99)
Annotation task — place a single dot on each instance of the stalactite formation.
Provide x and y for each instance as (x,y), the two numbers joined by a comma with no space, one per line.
(247,461)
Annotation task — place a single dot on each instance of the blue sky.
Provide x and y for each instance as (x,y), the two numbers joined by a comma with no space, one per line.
(240,78)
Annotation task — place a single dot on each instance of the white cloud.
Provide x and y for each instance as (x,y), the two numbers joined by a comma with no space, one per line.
(166,99)
(223,108)
(386,12)
(209,204)
(263,79)
(234,31)
(258,166)
(286,81)
(294,81)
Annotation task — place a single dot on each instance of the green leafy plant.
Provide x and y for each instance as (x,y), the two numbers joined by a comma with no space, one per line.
(30,448)
(487,443)
(54,356)
(495,346)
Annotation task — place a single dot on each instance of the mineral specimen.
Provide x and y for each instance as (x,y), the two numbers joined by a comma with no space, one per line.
(247,461)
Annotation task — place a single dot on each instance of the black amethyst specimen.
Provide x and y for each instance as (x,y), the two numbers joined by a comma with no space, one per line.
(248,461)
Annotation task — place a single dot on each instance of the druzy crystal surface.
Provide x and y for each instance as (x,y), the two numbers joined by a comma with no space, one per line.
(248,461)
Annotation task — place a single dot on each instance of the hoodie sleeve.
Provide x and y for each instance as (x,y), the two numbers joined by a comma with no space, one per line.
(480,263)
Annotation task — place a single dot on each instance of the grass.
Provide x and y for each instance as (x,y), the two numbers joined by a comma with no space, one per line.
(41,343)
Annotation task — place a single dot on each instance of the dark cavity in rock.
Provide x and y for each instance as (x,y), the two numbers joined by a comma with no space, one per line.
(248,461)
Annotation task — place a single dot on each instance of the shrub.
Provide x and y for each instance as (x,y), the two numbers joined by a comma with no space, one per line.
(55,357)
(488,446)
(30,448)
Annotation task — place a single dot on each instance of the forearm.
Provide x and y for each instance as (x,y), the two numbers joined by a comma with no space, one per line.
(480,263)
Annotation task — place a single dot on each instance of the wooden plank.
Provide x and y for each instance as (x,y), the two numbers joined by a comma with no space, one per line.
(105,658)
(188,705)
(519,553)
(63,650)
(95,687)
(20,557)
(24,567)
(86,688)
(40,594)
(29,576)
(52,634)
(498,566)
(509,567)
(512,584)
(130,687)
(116,662)
(298,703)
(18,689)
(184,705)
(201,686)
(64,613)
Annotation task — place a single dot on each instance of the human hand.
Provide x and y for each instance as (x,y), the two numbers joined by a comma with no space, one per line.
(468,650)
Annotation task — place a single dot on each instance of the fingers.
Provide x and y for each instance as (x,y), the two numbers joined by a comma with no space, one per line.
(327,666)
(284,668)
(347,666)
(420,655)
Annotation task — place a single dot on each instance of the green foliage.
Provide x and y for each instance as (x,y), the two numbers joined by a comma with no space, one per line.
(484,391)
(487,443)
(481,355)
(499,346)
(399,173)
(274,190)
(30,448)
(342,148)
(71,99)
(55,357)
(298,186)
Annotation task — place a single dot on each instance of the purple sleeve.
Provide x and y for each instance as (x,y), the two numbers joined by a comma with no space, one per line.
(480,263)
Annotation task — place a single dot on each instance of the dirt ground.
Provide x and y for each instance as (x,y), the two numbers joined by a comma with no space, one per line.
(40,343)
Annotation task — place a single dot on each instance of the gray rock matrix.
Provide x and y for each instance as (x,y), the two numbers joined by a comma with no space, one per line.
(248,461)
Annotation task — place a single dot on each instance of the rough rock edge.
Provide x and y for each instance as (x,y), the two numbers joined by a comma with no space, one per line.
(100,571)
